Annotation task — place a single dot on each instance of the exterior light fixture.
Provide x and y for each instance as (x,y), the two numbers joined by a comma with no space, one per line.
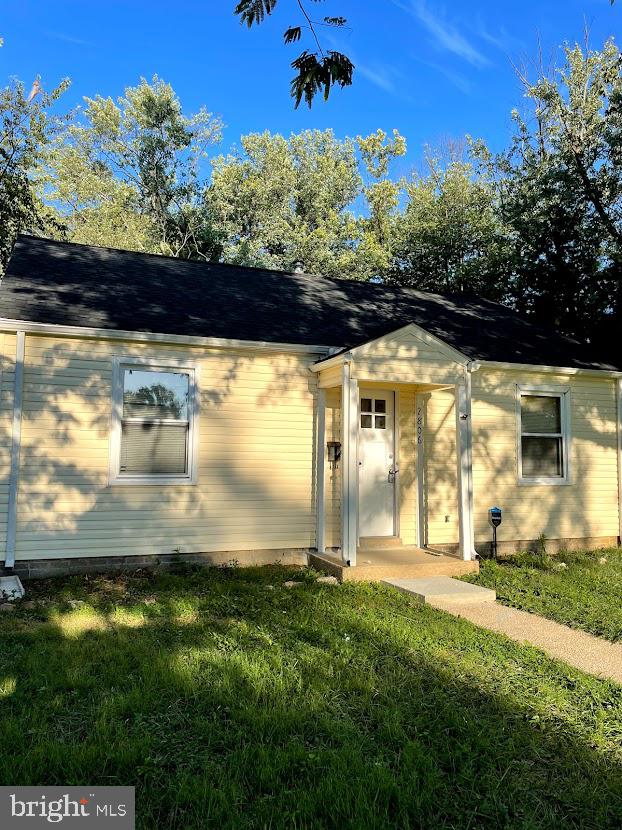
(334,453)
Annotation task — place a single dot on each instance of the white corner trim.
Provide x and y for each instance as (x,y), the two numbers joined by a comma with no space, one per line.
(349,465)
(86,332)
(468,381)
(564,395)
(463,414)
(397,438)
(556,370)
(619,431)
(191,478)
(16,443)
(320,456)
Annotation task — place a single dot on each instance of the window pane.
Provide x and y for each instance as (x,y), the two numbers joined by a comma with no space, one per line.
(366,421)
(365,404)
(542,457)
(540,413)
(154,448)
(152,394)
(381,422)
(381,405)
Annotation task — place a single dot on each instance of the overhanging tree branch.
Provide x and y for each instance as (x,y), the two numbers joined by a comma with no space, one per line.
(317,71)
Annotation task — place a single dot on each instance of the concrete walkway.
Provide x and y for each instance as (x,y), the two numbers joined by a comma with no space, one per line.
(577,648)
(476,604)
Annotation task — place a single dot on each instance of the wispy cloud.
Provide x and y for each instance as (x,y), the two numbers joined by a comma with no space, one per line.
(501,39)
(381,76)
(454,78)
(444,32)
(68,38)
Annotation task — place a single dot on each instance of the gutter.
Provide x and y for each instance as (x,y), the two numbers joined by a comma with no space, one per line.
(471,366)
(328,362)
(557,370)
(86,332)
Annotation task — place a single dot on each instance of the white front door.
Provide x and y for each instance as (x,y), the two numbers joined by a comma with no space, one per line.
(376,464)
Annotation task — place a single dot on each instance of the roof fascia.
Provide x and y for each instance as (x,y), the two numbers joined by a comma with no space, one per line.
(559,370)
(85,332)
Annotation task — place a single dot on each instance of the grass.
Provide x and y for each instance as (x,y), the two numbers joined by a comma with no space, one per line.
(579,589)
(230,701)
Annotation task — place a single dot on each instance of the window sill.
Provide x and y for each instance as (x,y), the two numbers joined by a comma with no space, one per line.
(152,481)
(530,482)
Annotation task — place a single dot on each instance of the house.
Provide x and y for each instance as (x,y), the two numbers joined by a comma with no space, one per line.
(152,407)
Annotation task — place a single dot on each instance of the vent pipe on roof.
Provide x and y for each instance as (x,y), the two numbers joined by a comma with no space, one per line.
(299,267)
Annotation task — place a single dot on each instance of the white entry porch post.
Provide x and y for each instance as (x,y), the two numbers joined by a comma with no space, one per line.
(320,455)
(349,465)
(465,466)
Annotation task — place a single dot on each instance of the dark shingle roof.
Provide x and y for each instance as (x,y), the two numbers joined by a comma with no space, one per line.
(81,285)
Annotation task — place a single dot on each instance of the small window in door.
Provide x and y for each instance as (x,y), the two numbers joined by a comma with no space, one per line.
(373,413)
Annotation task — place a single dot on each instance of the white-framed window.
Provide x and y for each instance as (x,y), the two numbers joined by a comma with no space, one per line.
(543,435)
(154,437)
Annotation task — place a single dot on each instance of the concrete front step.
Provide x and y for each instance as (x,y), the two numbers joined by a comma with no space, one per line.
(422,565)
(379,542)
(439,589)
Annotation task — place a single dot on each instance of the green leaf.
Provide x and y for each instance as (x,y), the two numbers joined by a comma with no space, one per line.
(319,75)
(254,11)
(292,34)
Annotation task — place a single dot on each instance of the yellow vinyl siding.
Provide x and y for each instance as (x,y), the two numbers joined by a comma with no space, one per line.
(331,377)
(255,462)
(588,505)
(255,456)
(406,424)
(332,477)
(441,469)
(406,356)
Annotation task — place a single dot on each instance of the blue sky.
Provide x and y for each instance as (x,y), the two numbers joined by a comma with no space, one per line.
(430,69)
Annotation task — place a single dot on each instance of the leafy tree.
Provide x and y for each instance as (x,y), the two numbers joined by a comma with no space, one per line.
(26,127)
(449,237)
(378,225)
(128,173)
(158,397)
(317,71)
(281,201)
(559,192)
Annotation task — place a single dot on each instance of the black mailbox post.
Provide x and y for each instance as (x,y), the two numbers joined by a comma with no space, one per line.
(494,519)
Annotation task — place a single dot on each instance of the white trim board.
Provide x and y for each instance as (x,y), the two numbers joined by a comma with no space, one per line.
(563,393)
(556,370)
(619,447)
(86,332)
(16,443)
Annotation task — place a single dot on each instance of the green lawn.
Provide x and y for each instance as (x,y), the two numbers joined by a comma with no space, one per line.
(233,702)
(586,594)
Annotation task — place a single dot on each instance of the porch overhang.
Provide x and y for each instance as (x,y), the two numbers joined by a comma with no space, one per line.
(408,356)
